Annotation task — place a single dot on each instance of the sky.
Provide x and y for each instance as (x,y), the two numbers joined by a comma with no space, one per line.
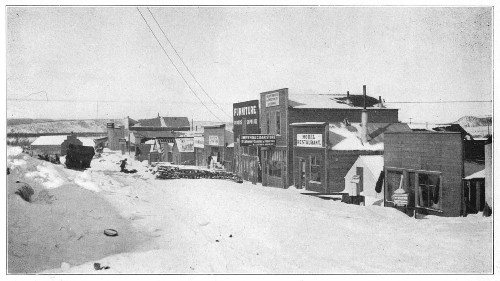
(104,62)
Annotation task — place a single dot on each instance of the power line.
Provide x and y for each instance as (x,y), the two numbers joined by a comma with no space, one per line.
(171,61)
(101,101)
(180,58)
(449,101)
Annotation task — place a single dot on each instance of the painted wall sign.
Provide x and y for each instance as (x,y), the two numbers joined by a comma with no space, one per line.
(246,118)
(185,144)
(199,142)
(257,140)
(273,99)
(166,140)
(310,140)
(213,140)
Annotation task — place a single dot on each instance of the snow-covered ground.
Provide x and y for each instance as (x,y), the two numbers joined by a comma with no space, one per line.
(219,226)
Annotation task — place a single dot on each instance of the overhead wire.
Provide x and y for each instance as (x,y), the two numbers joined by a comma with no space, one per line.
(187,68)
(178,71)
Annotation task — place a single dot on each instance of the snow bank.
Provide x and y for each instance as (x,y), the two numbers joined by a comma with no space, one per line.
(13,151)
(84,180)
(46,175)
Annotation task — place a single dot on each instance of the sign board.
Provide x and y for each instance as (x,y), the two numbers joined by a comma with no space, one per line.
(246,118)
(122,140)
(310,140)
(166,140)
(355,179)
(257,140)
(273,99)
(213,140)
(400,199)
(110,125)
(185,144)
(199,142)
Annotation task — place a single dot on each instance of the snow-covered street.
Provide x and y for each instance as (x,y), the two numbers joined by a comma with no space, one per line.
(219,226)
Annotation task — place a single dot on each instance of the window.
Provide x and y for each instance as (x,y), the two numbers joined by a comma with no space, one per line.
(428,191)
(315,170)
(268,122)
(277,163)
(278,123)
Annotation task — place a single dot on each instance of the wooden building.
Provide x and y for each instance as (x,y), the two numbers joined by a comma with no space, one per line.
(53,145)
(323,153)
(216,140)
(423,172)
(279,109)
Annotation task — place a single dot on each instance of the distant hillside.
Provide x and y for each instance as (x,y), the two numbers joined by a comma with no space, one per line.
(60,126)
(47,126)
(473,121)
(19,121)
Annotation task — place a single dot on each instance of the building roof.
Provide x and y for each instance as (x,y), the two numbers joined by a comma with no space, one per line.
(374,163)
(176,122)
(154,134)
(50,140)
(307,123)
(166,122)
(326,101)
(478,175)
(342,137)
(87,141)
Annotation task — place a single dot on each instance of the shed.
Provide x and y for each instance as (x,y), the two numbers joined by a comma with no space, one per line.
(53,144)
(362,178)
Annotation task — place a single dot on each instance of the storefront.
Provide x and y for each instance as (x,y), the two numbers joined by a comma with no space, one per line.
(423,172)
(216,139)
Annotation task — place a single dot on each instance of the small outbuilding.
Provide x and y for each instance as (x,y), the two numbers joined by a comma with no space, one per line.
(362,178)
(53,145)
(183,151)
(474,192)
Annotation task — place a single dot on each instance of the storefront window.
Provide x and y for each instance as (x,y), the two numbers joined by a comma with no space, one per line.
(428,195)
(276,163)
(315,170)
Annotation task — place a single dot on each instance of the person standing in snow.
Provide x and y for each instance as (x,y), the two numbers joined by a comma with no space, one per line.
(209,161)
(123,164)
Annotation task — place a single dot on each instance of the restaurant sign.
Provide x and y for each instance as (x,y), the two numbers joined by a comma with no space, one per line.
(310,140)
(257,140)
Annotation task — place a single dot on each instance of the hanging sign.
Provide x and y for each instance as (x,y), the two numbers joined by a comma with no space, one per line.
(310,140)
(273,99)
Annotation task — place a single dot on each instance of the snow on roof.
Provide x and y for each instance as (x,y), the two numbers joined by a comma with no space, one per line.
(375,163)
(307,123)
(230,145)
(50,140)
(150,142)
(87,141)
(321,101)
(477,175)
(344,137)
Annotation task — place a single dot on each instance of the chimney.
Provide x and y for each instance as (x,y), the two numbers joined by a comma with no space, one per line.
(380,104)
(348,101)
(364,119)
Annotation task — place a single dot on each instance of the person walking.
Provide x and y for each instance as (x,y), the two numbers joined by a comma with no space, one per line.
(123,164)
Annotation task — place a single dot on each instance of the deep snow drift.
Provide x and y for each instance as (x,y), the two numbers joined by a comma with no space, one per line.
(219,226)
